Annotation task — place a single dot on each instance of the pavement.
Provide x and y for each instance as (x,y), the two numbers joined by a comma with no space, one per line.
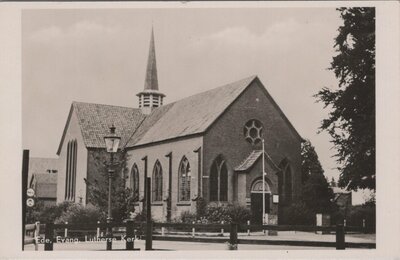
(179,245)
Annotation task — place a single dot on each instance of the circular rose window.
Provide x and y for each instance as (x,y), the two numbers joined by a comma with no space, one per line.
(253,131)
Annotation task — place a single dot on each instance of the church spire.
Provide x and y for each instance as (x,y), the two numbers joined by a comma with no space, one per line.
(150,97)
(151,81)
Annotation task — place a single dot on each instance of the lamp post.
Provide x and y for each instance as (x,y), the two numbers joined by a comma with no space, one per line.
(112,143)
(263,182)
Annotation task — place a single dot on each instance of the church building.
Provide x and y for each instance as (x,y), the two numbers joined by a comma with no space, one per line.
(206,146)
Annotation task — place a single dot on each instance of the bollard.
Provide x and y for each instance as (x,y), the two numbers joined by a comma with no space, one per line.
(233,237)
(98,230)
(48,237)
(193,230)
(222,229)
(248,228)
(66,230)
(340,242)
(162,231)
(37,235)
(130,235)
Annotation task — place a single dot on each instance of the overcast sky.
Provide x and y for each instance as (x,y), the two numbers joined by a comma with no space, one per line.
(100,56)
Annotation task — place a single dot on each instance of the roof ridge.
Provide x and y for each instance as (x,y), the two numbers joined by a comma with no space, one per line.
(89,103)
(218,87)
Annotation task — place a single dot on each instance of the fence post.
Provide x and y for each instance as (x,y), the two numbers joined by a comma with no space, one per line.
(222,229)
(98,230)
(233,237)
(48,237)
(363,225)
(248,228)
(162,231)
(149,223)
(37,234)
(130,235)
(66,230)
(340,242)
(193,230)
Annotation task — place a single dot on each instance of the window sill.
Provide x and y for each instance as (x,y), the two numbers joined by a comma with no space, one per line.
(157,204)
(183,204)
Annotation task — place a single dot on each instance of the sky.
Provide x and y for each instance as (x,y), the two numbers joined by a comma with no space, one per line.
(100,55)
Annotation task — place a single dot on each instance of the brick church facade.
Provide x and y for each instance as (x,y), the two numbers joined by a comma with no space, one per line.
(205,146)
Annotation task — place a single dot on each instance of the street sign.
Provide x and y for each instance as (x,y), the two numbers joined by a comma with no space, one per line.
(30,192)
(30,202)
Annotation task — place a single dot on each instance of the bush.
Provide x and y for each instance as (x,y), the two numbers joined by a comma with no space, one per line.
(47,213)
(217,213)
(297,213)
(77,213)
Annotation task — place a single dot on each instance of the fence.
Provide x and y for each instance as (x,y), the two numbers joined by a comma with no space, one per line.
(32,234)
(233,228)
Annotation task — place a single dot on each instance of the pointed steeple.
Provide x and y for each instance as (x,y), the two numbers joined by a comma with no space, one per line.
(150,97)
(151,82)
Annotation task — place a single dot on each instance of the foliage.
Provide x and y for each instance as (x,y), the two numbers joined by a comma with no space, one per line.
(351,121)
(316,196)
(46,213)
(122,198)
(297,213)
(215,213)
(309,161)
(316,193)
(77,213)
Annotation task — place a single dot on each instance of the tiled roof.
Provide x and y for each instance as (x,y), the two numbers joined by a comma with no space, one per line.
(249,161)
(95,120)
(191,115)
(45,185)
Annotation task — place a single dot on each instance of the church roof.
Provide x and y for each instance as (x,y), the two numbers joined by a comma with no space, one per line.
(188,116)
(251,159)
(95,119)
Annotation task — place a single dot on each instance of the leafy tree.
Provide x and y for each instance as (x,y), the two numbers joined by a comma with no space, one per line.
(316,196)
(351,121)
(310,163)
(316,193)
(122,198)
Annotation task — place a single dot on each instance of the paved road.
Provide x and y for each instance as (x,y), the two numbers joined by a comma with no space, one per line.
(166,245)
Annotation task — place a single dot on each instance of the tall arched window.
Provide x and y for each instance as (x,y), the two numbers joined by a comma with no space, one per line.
(134,181)
(184,180)
(219,180)
(285,181)
(157,182)
(70,172)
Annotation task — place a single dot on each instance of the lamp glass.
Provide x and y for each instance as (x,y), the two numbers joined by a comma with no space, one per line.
(112,143)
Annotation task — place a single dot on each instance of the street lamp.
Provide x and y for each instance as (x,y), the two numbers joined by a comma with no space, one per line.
(112,143)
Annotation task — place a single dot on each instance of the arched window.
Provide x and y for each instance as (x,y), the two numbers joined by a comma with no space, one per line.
(157,182)
(70,172)
(184,180)
(219,180)
(134,181)
(285,181)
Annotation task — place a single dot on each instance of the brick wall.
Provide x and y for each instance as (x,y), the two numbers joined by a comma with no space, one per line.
(226,137)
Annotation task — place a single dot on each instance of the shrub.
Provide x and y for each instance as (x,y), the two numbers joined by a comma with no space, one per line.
(77,213)
(47,213)
(188,217)
(217,213)
(297,213)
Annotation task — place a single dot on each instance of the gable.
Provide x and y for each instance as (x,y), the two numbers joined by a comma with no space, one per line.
(94,121)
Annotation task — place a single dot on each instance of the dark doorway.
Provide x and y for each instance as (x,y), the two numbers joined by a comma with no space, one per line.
(256,207)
